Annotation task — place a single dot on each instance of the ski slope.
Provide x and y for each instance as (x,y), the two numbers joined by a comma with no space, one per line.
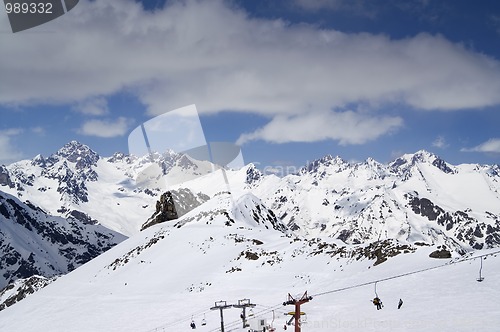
(161,278)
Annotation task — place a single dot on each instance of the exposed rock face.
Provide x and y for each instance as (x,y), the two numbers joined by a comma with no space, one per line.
(174,204)
(253,175)
(165,208)
(22,288)
(380,251)
(73,167)
(440,254)
(5,178)
(79,154)
(33,242)
(459,225)
(425,208)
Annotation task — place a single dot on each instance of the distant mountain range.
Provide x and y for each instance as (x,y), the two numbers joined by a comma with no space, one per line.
(60,211)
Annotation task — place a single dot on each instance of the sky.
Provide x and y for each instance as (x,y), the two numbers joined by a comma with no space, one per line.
(288,80)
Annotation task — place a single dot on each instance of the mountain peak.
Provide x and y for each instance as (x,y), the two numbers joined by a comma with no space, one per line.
(424,155)
(326,161)
(406,161)
(81,154)
(253,174)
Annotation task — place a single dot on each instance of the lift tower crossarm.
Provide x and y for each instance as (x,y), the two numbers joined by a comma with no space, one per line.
(243,304)
(297,303)
(221,305)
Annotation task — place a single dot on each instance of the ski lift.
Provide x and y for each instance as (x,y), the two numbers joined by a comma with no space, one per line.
(480,269)
(271,327)
(193,325)
(303,319)
(250,313)
(203,321)
(376,301)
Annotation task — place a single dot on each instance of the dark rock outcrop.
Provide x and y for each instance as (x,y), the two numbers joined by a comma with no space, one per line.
(22,288)
(174,204)
(440,254)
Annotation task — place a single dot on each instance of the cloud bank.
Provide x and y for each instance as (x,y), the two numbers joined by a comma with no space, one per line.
(106,128)
(347,127)
(216,56)
(490,146)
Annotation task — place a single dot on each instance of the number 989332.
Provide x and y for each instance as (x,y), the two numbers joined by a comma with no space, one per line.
(28,7)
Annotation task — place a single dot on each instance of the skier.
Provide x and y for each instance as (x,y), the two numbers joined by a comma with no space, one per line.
(193,325)
(400,303)
(376,301)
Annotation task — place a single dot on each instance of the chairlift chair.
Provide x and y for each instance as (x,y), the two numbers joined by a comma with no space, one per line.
(303,319)
(203,321)
(379,304)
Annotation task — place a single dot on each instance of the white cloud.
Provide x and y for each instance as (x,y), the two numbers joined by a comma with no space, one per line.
(93,106)
(38,130)
(440,142)
(490,146)
(219,58)
(8,152)
(347,127)
(106,128)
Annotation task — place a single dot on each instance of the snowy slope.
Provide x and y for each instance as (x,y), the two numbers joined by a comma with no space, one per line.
(33,242)
(231,249)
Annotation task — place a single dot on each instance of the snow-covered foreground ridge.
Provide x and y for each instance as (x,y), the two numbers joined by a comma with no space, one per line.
(235,248)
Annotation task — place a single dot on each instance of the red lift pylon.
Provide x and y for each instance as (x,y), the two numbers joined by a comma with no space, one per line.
(304,299)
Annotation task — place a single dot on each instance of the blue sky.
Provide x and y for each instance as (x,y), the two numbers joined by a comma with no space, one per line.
(291,81)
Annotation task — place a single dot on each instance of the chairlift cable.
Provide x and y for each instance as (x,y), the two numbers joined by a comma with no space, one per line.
(179,321)
(406,274)
(271,308)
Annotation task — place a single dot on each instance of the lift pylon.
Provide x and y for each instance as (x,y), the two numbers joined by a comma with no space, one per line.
(297,303)
(243,304)
(221,305)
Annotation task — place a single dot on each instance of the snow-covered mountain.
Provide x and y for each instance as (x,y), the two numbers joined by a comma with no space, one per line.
(33,242)
(76,181)
(234,247)
(362,211)
(415,198)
